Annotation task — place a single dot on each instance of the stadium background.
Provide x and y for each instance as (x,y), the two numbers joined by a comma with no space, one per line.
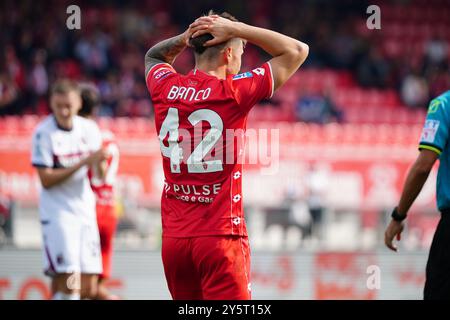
(348,123)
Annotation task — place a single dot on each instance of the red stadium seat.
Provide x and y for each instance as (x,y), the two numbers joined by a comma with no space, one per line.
(105,123)
(11,124)
(120,126)
(28,123)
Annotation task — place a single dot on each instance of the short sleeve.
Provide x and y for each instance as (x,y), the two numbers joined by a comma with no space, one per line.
(157,75)
(41,153)
(253,86)
(95,137)
(435,131)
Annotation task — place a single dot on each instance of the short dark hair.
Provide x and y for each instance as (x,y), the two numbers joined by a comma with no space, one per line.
(90,99)
(64,86)
(198,42)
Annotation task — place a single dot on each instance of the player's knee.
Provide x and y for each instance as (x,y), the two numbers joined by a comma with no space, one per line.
(66,283)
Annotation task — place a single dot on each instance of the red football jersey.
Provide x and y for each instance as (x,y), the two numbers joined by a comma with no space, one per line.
(104,188)
(200,121)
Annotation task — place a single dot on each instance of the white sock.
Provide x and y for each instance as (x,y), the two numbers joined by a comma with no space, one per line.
(66,296)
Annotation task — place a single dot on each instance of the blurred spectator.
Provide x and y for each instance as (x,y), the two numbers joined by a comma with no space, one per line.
(343,46)
(317,108)
(36,48)
(439,81)
(93,53)
(298,212)
(373,70)
(14,67)
(414,90)
(6,207)
(38,78)
(8,95)
(436,50)
(317,182)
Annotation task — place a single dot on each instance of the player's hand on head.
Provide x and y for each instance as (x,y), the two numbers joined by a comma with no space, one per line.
(187,34)
(220,28)
(190,30)
(394,230)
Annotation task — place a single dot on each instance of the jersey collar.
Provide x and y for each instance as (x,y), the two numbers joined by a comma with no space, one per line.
(202,74)
(62,128)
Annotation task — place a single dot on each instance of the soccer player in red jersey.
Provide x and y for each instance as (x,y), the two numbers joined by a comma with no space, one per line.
(103,188)
(205,248)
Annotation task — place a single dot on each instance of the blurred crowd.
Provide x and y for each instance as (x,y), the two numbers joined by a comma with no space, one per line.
(36,48)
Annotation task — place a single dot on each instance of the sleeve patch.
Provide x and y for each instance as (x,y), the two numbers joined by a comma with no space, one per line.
(243,75)
(434,105)
(161,73)
(429,130)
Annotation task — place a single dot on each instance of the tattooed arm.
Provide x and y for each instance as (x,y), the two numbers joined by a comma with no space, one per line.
(166,51)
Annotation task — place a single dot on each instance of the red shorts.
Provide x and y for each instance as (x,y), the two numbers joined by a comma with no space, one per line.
(107,222)
(207,268)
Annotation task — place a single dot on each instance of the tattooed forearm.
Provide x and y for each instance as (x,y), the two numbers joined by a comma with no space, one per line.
(165,51)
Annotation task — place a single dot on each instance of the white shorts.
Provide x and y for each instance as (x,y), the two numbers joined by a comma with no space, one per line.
(71,245)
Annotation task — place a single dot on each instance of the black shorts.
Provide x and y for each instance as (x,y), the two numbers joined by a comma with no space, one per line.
(437,284)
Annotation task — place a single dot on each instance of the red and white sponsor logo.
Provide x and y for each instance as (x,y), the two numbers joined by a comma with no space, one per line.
(68,160)
(161,72)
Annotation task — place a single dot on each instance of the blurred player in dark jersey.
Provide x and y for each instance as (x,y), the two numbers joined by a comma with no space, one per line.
(103,189)
(205,248)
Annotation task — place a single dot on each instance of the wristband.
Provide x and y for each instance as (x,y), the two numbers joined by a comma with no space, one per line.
(396,216)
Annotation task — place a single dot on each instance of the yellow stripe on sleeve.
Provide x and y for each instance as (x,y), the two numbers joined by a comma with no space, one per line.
(422,146)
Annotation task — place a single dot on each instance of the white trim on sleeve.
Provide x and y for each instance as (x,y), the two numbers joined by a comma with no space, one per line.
(146,76)
(271,76)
